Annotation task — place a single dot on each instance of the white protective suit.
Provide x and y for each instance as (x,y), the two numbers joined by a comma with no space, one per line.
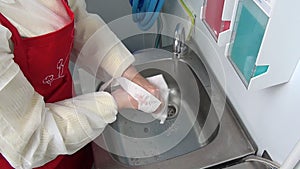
(33,132)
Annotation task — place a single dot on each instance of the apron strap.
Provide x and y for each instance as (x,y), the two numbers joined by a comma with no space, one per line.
(15,33)
(16,39)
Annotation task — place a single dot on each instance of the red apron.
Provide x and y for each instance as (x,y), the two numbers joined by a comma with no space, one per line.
(44,61)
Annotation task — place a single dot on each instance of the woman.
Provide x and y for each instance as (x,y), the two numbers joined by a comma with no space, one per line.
(40,121)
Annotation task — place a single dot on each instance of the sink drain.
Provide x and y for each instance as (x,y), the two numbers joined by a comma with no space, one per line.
(172,111)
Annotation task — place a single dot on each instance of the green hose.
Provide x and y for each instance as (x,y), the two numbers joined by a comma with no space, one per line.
(191,16)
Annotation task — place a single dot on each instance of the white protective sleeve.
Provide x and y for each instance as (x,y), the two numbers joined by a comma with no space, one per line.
(33,133)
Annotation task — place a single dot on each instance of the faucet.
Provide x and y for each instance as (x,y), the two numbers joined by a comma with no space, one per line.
(179,47)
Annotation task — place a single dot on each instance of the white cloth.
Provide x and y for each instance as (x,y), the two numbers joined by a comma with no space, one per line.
(33,133)
(159,81)
(146,101)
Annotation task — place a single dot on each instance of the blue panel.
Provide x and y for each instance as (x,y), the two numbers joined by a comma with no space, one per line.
(249,30)
(260,70)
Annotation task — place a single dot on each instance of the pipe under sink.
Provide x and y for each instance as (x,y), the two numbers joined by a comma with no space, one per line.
(197,136)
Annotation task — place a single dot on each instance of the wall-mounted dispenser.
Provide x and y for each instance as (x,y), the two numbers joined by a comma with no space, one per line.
(259,38)
(263,47)
(248,32)
(217,14)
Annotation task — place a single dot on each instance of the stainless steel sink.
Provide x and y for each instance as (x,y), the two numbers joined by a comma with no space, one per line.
(183,130)
(201,129)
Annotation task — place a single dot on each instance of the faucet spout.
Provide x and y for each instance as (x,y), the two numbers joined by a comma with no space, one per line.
(179,47)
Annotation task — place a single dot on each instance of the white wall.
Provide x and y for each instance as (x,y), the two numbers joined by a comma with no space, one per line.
(271,115)
(109,10)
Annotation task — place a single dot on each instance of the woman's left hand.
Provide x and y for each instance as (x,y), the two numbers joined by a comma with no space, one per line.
(132,74)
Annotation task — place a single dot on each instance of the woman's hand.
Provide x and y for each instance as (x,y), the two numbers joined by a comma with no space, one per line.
(132,74)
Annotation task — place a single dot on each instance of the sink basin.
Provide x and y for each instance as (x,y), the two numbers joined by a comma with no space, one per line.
(201,129)
(144,140)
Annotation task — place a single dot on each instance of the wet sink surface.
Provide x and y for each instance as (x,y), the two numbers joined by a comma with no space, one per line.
(145,141)
(195,135)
